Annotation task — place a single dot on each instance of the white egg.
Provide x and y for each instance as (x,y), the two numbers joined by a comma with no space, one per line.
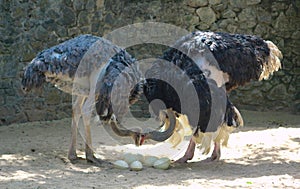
(120,164)
(149,160)
(139,157)
(136,166)
(162,163)
(129,158)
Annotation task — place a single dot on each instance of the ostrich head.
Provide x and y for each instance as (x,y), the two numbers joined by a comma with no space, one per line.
(32,76)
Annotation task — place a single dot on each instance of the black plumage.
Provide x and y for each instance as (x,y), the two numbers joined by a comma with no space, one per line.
(174,83)
(122,70)
(180,84)
(226,61)
(119,86)
(242,57)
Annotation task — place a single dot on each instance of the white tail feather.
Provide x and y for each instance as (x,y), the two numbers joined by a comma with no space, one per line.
(273,63)
(182,129)
(221,136)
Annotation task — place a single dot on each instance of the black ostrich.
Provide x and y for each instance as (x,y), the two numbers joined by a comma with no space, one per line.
(234,59)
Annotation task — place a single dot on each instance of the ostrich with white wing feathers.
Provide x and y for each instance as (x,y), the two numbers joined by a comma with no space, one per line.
(240,59)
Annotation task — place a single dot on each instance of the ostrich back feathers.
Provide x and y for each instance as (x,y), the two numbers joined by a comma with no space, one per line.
(59,64)
(242,57)
(119,87)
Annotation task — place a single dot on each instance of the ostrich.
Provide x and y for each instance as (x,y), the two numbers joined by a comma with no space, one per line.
(239,60)
(178,81)
(75,67)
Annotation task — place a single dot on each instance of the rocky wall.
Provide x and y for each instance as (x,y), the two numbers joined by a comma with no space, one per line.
(29,26)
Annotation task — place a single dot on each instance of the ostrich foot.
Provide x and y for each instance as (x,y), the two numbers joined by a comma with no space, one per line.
(91,158)
(189,154)
(215,156)
(73,158)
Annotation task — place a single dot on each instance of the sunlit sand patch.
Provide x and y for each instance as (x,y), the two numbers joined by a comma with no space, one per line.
(244,147)
(279,181)
(21,160)
(19,175)
(253,147)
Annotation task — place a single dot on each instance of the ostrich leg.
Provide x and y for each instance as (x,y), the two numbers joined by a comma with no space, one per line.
(189,154)
(76,114)
(86,115)
(216,152)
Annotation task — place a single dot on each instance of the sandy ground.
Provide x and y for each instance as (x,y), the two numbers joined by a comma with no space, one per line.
(263,154)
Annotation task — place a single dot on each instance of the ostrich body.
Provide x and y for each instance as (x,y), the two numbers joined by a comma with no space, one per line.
(77,66)
(239,60)
(210,113)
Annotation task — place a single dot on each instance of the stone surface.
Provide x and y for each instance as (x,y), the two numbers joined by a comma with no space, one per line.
(279,92)
(229,14)
(206,15)
(83,18)
(78,5)
(296,35)
(27,27)
(40,33)
(197,3)
(90,5)
(247,14)
(68,16)
(215,2)
(263,16)
(240,4)
(253,2)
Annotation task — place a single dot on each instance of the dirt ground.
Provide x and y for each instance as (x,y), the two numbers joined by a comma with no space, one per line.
(263,154)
